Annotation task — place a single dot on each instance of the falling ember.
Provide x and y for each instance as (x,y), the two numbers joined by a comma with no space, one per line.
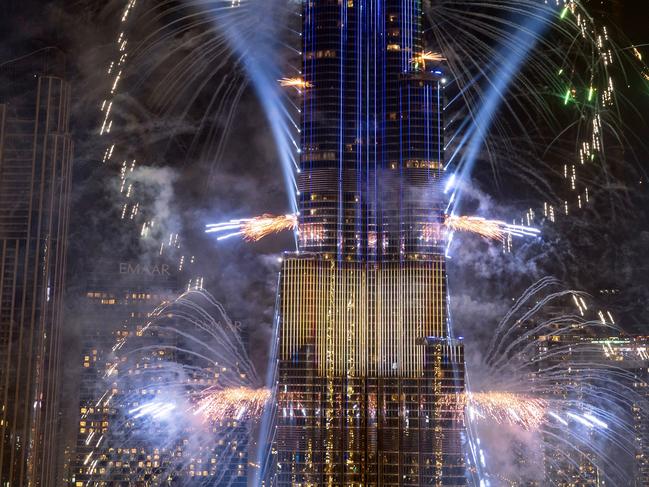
(491,229)
(430,56)
(311,233)
(371,240)
(259,227)
(254,229)
(508,408)
(432,232)
(235,402)
(298,83)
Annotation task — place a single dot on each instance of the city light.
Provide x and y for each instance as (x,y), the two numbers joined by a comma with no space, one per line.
(459,296)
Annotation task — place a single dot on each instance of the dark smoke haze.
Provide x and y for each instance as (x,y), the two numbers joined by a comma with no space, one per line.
(187,187)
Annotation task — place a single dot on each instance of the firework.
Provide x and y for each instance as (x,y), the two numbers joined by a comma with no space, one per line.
(491,229)
(589,95)
(155,409)
(578,394)
(115,74)
(508,408)
(254,229)
(182,382)
(527,412)
(236,402)
(488,72)
(429,56)
(312,233)
(298,83)
(257,228)
(473,63)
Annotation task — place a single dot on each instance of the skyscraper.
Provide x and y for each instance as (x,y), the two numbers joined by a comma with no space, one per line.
(112,446)
(578,468)
(35,174)
(630,354)
(117,301)
(625,355)
(370,377)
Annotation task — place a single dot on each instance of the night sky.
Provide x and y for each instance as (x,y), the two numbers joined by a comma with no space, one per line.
(246,180)
(606,249)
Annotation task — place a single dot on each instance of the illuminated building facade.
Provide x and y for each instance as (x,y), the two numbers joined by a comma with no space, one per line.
(35,176)
(576,469)
(370,377)
(116,304)
(111,447)
(632,354)
(628,354)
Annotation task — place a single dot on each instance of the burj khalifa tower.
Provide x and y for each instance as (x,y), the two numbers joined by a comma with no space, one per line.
(370,377)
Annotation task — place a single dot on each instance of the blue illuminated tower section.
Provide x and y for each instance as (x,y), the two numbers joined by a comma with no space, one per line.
(371,157)
(370,380)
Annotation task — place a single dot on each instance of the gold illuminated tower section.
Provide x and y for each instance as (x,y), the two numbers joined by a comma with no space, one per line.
(370,379)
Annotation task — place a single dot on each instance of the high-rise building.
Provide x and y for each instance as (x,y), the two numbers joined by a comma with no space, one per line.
(628,357)
(631,354)
(112,447)
(117,300)
(370,376)
(563,351)
(35,175)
